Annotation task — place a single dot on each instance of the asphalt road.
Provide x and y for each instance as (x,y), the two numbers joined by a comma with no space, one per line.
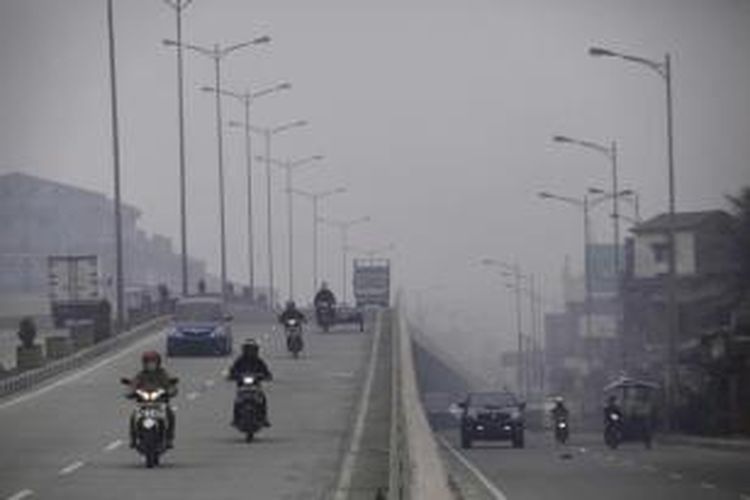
(70,439)
(592,471)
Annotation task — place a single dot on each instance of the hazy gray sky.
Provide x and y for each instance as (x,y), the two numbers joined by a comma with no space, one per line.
(437,115)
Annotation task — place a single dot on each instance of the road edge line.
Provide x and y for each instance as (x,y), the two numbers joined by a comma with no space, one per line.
(343,484)
(491,488)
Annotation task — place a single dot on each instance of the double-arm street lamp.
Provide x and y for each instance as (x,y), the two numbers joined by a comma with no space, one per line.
(315,197)
(246,99)
(217,54)
(179,7)
(344,227)
(268,133)
(664,69)
(610,152)
(290,167)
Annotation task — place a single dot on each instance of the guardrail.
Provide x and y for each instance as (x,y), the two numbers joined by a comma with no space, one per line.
(31,378)
(416,469)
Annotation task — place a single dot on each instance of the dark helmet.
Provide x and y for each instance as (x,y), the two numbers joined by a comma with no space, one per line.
(612,400)
(290,304)
(151,358)
(250,348)
(324,285)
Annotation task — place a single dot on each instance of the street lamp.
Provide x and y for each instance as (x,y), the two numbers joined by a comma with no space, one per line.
(217,54)
(179,7)
(246,99)
(664,70)
(291,166)
(268,133)
(610,152)
(315,198)
(116,167)
(514,271)
(344,227)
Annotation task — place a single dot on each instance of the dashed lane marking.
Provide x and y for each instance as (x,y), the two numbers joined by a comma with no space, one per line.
(21,495)
(708,486)
(676,476)
(71,468)
(113,445)
(192,396)
(209,383)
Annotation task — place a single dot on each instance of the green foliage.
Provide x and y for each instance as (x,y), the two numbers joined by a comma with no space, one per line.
(740,206)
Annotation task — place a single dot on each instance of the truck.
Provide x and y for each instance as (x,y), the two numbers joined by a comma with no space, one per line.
(372,282)
(73,287)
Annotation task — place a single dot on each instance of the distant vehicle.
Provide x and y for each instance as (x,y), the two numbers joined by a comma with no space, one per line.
(201,325)
(372,282)
(492,416)
(345,314)
(294,342)
(73,287)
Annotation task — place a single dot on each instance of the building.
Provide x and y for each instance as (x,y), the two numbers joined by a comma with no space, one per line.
(39,217)
(706,271)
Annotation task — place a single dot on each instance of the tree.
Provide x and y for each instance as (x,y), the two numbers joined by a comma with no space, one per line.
(740,206)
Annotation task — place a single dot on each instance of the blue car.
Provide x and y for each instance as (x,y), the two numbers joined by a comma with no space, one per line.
(201,326)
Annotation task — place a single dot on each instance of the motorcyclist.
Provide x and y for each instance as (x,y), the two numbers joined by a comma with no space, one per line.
(560,411)
(324,296)
(291,312)
(611,408)
(154,376)
(250,362)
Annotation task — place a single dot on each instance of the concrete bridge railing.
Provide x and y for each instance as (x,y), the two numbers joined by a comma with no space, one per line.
(416,469)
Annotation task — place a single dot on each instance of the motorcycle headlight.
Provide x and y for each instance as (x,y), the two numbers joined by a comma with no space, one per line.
(149,423)
(615,417)
(248,380)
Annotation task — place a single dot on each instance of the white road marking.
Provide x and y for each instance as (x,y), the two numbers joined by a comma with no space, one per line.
(582,450)
(347,468)
(708,486)
(113,445)
(676,476)
(79,374)
(494,491)
(209,383)
(650,468)
(743,496)
(192,396)
(21,495)
(71,468)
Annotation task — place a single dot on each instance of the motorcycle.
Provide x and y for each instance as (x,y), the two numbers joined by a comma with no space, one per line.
(325,315)
(562,430)
(613,430)
(150,421)
(294,341)
(248,405)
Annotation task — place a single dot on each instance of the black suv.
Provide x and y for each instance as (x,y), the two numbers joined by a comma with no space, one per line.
(492,416)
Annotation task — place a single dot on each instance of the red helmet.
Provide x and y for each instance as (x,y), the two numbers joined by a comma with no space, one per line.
(151,357)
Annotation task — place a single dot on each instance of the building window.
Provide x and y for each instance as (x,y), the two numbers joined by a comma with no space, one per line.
(661,252)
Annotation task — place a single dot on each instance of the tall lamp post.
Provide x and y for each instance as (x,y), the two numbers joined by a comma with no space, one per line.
(217,54)
(514,271)
(664,70)
(246,99)
(344,227)
(290,167)
(610,152)
(179,7)
(268,133)
(315,197)
(116,168)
